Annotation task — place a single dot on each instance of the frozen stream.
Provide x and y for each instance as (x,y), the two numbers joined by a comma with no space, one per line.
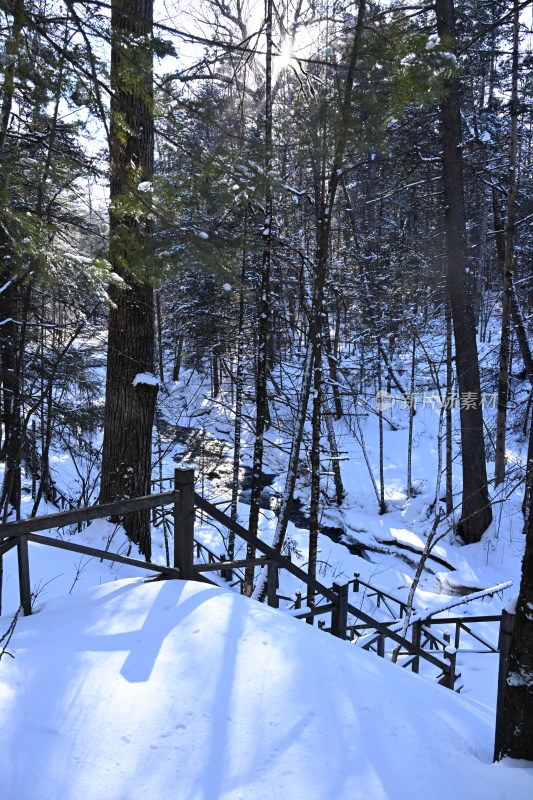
(210,455)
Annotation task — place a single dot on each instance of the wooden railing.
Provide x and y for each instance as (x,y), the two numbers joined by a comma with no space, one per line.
(451,627)
(19,534)
(333,603)
(331,608)
(461,625)
(396,607)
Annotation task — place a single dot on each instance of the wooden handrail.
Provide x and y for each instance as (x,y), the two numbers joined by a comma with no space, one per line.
(63,518)
(460,620)
(380,592)
(181,497)
(7,545)
(215,566)
(61,544)
(331,595)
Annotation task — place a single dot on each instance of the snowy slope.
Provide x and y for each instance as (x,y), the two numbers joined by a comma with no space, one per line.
(172,689)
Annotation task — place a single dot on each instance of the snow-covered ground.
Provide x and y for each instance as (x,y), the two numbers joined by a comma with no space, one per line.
(122,689)
(177,689)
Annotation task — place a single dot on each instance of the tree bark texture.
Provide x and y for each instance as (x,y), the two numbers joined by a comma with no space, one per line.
(514,735)
(476,514)
(10,295)
(129,409)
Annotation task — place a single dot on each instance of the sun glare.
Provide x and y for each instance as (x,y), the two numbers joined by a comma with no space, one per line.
(286,53)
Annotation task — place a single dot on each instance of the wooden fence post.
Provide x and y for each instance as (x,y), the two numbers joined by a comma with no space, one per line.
(450,654)
(272,584)
(457,635)
(504,644)
(184,523)
(226,574)
(416,639)
(339,615)
(24,575)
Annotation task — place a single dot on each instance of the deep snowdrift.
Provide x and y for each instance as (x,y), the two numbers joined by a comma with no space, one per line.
(174,689)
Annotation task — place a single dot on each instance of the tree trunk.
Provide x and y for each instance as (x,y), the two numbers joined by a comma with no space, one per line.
(516,311)
(314,505)
(449,410)
(476,514)
(335,458)
(10,295)
(332,349)
(215,372)
(410,492)
(292,471)
(129,408)
(11,60)
(382,503)
(159,324)
(8,347)
(504,366)
(324,212)
(529,469)
(178,352)
(239,394)
(264,333)
(514,734)
(11,487)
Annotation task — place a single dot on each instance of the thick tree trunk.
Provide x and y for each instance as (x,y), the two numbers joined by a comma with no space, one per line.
(11,487)
(159,325)
(11,59)
(10,294)
(514,734)
(129,408)
(476,514)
